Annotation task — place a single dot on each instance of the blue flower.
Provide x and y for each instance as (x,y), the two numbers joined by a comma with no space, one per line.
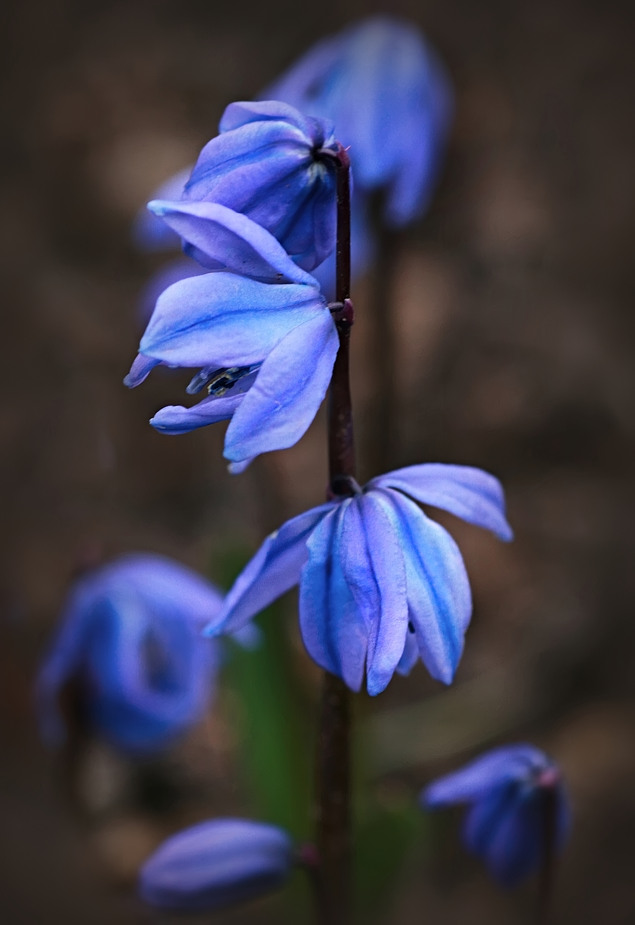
(130,639)
(388,96)
(380,583)
(517,805)
(216,864)
(268,163)
(259,329)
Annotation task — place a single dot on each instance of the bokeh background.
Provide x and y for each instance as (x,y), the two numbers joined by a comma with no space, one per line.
(513,308)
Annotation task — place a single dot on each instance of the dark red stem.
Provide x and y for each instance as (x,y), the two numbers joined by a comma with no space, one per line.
(333,815)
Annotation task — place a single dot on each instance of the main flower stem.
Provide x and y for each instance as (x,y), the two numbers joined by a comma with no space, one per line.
(333,815)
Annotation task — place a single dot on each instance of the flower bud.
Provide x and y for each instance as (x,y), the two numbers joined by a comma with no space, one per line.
(217,863)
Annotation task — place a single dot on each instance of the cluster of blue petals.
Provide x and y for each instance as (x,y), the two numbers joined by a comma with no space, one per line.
(272,164)
(381,584)
(216,864)
(130,640)
(387,94)
(258,330)
(510,791)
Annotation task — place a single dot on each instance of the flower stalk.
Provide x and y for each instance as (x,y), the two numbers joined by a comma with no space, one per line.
(333,815)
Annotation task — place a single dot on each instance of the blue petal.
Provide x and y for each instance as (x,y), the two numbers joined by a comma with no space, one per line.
(176,419)
(274,569)
(216,864)
(411,188)
(439,598)
(508,827)
(222,239)
(333,627)
(507,830)
(140,370)
(148,677)
(466,492)
(373,564)
(287,392)
(238,166)
(221,319)
(243,113)
(410,655)
(484,773)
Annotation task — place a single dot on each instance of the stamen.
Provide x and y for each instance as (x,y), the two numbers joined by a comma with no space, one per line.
(218,381)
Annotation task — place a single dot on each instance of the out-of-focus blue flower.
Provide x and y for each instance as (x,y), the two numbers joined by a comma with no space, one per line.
(268,163)
(518,805)
(380,583)
(260,331)
(215,864)
(130,639)
(148,231)
(388,96)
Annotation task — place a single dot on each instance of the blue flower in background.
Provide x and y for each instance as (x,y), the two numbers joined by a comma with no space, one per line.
(148,231)
(217,864)
(518,804)
(380,583)
(130,639)
(260,331)
(268,163)
(388,96)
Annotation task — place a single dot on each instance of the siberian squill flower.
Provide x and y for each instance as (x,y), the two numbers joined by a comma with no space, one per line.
(380,582)
(259,331)
(130,640)
(270,163)
(387,94)
(216,864)
(518,808)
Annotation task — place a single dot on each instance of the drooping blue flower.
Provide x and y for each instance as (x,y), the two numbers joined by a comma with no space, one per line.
(130,640)
(216,864)
(259,330)
(269,163)
(380,582)
(517,806)
(387,94)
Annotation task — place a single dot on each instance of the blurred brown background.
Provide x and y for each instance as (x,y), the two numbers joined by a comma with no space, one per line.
(514,303)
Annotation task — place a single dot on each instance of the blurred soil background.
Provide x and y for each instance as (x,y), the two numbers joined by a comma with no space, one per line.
(514,308)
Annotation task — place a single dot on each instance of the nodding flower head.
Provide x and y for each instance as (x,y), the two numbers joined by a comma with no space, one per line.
(276,166)
(259,331)
(381,584)
(518,809)
(388,96)
(130,641)
(216,864)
